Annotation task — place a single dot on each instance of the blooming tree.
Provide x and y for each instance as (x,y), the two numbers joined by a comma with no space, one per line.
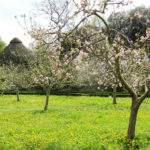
(91,72)
(50,68)
(49,72)
(91,62)
(18,78)
(127,60)
(14,77)
(4,80)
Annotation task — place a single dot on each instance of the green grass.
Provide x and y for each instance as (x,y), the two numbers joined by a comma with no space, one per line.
(71,123)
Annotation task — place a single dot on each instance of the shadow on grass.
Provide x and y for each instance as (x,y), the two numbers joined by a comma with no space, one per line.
(133,144)
(62,145)
(43,111)
(59,147)
(130,145)
(39,112)
(55,146)
(141,141)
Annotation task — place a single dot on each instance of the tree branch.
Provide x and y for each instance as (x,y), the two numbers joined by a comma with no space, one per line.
(102,19)
(141,99)
(122,80)
(77,25)
(122,36)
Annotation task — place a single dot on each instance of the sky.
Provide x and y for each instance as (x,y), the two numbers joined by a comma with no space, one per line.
(9,27)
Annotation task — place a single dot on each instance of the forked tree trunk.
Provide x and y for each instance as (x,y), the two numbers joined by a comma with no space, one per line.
(114,94)
(18,98)
(132,120)
(47,99)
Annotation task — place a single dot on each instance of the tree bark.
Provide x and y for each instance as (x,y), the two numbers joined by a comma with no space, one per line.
(114,94)
(132,120)
(18,98)
(47,99)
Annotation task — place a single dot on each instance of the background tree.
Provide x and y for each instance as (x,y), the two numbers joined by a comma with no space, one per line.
(93,73)
(50,69)
(4,80)
(18,78)
(48,72)
(132,23)
(2,44)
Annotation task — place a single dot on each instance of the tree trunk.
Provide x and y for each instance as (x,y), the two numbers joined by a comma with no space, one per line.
(132,120)
(2,92)
(47,99)
(18,98)
(114,94)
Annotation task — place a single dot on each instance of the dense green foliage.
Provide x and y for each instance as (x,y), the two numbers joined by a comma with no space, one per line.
(132,23)
(79,123)
(2,45)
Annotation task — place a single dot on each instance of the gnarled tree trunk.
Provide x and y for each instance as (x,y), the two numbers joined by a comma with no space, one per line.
(132,120)
(47,99)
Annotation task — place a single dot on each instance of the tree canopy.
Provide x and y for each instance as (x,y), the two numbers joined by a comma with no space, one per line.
(2,45)
(132,23)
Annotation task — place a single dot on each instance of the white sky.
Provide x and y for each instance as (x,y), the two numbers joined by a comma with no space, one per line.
(9,28)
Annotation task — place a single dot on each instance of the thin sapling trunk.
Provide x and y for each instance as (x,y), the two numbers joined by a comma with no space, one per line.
(18,97)
(114,94)
(47,99)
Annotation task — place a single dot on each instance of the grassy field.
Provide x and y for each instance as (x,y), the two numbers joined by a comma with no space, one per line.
(71,123)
